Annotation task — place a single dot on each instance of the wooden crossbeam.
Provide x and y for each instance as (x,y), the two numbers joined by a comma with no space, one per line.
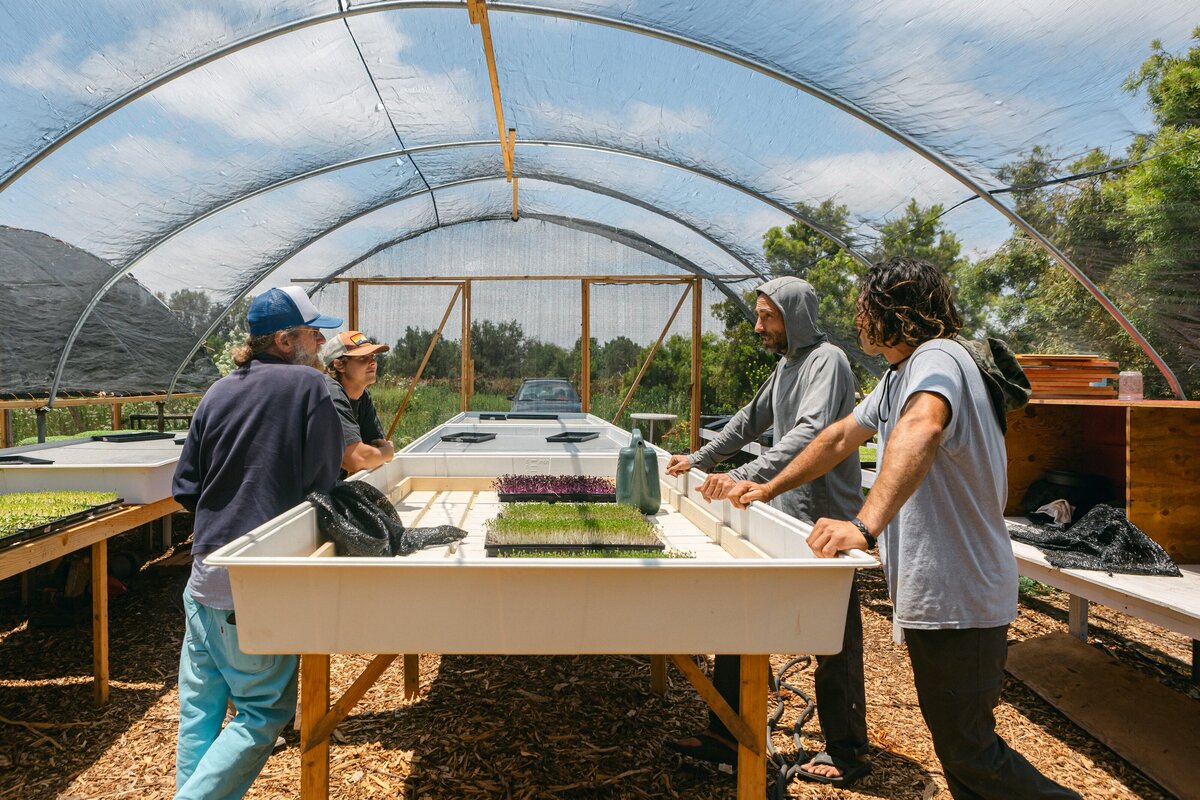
(477,13)
(736,725)
(345,704)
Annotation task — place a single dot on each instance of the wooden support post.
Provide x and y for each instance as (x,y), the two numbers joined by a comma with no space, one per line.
(116,416)
(424,361)
(1195,662)
(162,420)
(466,366)
(314,704)
(697,336)
(412,675)
(352,305)
(585,346)
(752,765)
(1077,616)
(6,428)
(658,675)
(516,214)
(168,532)
(100,621)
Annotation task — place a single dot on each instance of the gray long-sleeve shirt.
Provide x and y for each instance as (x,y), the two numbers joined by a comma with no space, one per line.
(811,388)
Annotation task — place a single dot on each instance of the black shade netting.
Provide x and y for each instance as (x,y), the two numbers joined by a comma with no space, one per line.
(1102,539)
(361,521)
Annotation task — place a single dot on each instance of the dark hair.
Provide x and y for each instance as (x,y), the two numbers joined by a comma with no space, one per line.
(905,300)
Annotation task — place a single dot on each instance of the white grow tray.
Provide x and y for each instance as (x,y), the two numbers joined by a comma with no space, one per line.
(754,586)
(139,472)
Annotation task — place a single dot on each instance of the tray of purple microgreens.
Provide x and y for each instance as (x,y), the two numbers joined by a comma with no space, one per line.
(555,488)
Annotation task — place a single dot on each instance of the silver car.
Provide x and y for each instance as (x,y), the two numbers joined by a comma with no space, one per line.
(546,395)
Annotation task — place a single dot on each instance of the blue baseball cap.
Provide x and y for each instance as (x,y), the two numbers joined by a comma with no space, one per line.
(285,307)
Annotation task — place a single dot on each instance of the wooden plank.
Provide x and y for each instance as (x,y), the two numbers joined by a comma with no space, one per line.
(658,675)
(430,483)
(1039,438)
(1163,494)
(704,687)
(16,560)
(100,622)
(697,333)
(1144,722)
(412,675)
(314,702)
(324,550)
(1173,603)
(585,346)
(752,765)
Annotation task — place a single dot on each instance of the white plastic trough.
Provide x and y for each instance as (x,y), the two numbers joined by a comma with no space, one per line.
(139,472)
(753,587)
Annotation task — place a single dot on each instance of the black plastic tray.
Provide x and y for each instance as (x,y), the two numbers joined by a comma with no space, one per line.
(25,460)
(494,417)
(141,436)
(531,415)
(46,528)
(493,549)
(468,437)
(573,436)
(556,497)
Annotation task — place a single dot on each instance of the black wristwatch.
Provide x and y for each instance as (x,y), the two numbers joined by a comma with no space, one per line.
(858,523)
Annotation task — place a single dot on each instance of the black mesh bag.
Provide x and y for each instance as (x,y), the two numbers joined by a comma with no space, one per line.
(361,521)
(1102,539)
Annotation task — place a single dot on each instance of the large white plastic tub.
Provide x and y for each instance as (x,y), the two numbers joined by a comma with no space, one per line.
(754,586)
(139,472)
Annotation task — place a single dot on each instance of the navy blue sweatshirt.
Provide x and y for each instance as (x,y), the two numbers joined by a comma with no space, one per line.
(262,438)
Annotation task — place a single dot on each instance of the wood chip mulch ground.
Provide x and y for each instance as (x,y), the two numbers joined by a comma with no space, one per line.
(511,727)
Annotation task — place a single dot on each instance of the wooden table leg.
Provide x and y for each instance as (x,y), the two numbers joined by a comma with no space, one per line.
(752,768)
(412,675)
(100,621)
(314,702)
(658,674)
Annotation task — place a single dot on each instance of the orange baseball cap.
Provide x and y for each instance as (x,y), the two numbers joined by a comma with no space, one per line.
(350,343)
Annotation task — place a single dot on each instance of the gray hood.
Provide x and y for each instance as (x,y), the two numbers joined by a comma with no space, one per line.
(797,300)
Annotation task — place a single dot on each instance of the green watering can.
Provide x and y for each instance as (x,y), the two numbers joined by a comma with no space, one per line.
(637,476)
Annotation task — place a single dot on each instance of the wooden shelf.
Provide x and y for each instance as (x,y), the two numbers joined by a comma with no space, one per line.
(1146,450)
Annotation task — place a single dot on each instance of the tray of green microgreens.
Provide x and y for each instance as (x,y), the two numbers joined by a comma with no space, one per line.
(27,515)
(569,527)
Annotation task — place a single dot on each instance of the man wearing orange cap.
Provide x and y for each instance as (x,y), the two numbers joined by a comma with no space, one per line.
(351,366)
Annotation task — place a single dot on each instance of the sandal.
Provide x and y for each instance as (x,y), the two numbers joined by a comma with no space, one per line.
(851,770)
(711,748)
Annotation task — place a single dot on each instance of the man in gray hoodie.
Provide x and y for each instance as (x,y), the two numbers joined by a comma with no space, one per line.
(811,388)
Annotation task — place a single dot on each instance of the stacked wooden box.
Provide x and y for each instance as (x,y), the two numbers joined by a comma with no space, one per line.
(1083,376)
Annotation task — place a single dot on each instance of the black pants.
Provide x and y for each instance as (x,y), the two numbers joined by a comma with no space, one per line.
(841,694)
(959,675)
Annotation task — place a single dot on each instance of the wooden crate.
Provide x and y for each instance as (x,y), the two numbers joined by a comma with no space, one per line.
(1146,449)
(1070,375)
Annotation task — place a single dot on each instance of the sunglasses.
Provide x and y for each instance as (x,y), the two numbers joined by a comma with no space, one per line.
(367,359)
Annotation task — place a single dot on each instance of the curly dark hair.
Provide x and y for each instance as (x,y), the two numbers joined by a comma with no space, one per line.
(906,300)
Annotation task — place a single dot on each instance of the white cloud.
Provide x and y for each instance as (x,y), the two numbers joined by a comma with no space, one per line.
(870,182)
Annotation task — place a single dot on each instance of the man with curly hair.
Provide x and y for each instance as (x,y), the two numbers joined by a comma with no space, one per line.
(937,508)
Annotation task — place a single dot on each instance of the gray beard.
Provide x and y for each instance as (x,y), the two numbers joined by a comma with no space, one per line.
(303,356)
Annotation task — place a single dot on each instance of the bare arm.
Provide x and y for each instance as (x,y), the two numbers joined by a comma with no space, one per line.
(360,455)
(831,447)
(911,449)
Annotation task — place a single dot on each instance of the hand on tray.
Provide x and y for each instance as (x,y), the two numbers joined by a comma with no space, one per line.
(829,536)
(678,465)
(716,486)
(743,493)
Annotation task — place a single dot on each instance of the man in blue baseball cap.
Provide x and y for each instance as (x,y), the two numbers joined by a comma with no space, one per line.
(262,438)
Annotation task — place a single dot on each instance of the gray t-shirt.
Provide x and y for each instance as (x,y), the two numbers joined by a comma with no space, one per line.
(947,555)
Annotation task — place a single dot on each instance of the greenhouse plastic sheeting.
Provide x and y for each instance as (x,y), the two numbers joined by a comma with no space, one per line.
(221,146)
